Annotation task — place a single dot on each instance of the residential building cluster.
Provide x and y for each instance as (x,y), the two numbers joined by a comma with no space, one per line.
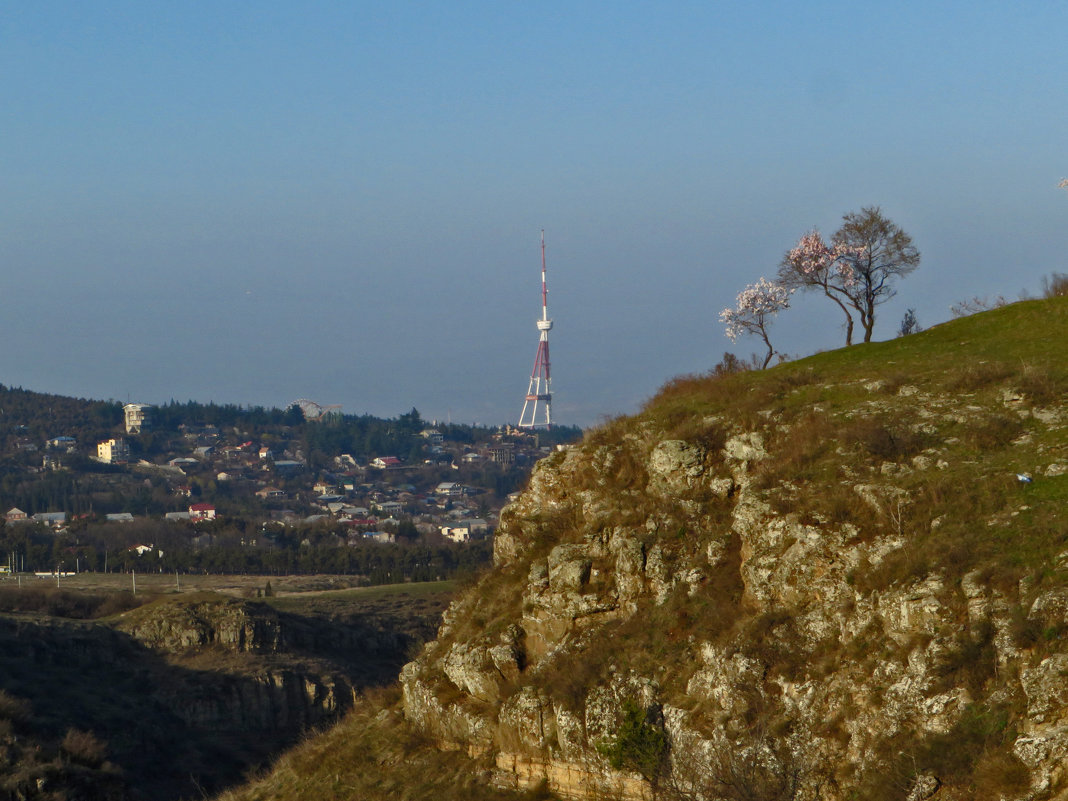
(452,491)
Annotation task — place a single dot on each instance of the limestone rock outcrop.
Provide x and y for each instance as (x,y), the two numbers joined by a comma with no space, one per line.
(666,612)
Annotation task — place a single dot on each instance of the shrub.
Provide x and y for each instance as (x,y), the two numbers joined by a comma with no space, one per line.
(84,748)
(1055,285)
(64,603)
(994,432)
(890,443)
(638,745)
(1039,386)
(17,710)
(979,376)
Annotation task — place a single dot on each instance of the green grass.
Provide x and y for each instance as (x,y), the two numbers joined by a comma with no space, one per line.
(357,595)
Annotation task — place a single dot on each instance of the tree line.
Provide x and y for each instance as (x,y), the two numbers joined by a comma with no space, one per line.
(294,552)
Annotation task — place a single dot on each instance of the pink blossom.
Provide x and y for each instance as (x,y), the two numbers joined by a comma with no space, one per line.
(755,304)
(813,257)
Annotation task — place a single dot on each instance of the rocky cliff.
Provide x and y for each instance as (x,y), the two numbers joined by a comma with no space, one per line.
(846,577)
(186,694)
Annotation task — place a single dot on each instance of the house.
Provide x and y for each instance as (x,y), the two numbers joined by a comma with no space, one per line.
(138,417)
(53,519)
(502,453)
(51,461)
(183,461)
(113,451)
(357,522)
(205,451)
(385,462)
(15,515)
(383,537)
(476,525)
(141,550)
(449,489)
(432,435)
(288,466)
(66,444)
(390,507)
(266,454)
(120,517)
(201,511)
(456,533)
(176,516)
(271,493)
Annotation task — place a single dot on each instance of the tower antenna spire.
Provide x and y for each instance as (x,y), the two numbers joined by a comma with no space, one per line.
(539,392)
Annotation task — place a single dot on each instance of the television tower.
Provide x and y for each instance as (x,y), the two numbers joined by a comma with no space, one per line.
(539,391)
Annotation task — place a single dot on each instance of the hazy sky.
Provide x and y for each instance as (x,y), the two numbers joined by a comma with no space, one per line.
(254,202)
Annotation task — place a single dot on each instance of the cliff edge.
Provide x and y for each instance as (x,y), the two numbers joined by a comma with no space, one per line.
(844,577)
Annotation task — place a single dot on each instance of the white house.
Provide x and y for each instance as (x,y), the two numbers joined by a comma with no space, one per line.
(449,489)
(202,511)
(434,436)
(137,416)
(456,533)
(54,519)
(385,462)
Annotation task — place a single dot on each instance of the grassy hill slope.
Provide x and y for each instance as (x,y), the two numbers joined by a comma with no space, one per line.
(824,580)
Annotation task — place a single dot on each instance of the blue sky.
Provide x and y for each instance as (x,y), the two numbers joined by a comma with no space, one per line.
(257,202)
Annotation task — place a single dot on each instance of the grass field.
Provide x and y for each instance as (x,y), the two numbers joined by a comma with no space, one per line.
(236,585)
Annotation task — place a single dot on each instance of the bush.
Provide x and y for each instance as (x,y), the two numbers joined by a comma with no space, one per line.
(1055,285)
(84,748)
(14,709)
(889,443)
(638,745)
(979,376)
(64,603)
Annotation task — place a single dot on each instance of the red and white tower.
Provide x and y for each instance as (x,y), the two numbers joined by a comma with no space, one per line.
(540,392)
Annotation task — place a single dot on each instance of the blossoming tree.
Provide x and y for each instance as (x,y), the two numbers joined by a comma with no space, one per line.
(752,313)
(857,269)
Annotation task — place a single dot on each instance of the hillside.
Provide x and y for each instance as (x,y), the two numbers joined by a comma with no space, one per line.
(825,580)
(184,694)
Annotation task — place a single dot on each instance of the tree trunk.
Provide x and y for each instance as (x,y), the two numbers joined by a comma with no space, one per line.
(771,350)
(848,316)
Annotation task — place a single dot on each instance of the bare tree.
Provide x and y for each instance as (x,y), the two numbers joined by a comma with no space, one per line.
(754,767)
(858,269)
(976,304)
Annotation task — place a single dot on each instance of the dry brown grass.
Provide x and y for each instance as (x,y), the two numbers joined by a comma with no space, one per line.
(372,754)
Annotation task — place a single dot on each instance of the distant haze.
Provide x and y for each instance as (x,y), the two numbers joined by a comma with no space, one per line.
(257,203)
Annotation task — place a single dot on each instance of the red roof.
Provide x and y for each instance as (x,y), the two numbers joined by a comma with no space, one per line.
(202,507)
